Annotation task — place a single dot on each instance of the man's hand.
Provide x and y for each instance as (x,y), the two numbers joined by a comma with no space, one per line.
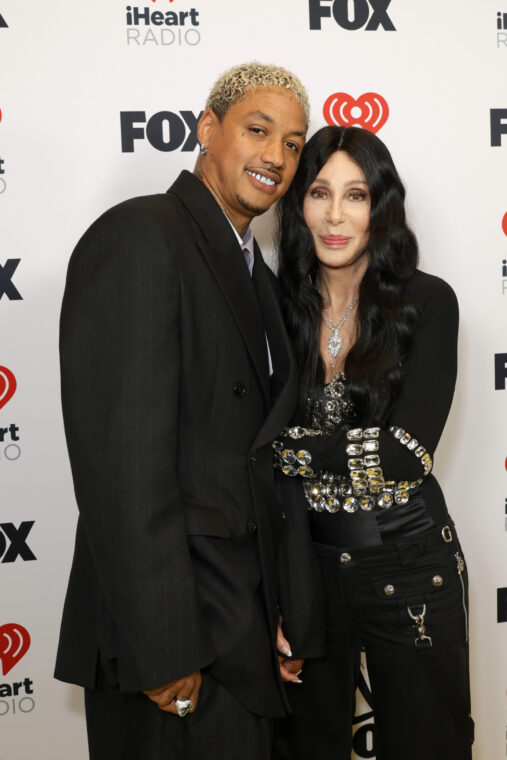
(184,688)
(289,668)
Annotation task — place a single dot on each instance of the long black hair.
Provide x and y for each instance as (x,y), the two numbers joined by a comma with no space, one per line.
(387,317)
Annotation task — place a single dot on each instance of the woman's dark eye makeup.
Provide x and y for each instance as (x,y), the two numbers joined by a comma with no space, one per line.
(358,194)
(318,192)
(355,194)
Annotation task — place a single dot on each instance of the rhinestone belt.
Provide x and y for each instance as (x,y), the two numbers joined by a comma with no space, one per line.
(364,487)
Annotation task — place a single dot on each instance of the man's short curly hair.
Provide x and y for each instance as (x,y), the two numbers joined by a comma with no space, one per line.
(232,86)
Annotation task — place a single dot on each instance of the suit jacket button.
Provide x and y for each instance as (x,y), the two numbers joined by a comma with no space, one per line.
(253,459)
(252,526)
(239,390)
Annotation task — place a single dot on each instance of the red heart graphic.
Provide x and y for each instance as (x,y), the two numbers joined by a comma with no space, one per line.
(504,224)
(7,386)
(14,644)
(370,110)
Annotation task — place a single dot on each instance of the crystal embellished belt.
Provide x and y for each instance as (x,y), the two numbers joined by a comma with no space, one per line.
(329,493)
(365,487)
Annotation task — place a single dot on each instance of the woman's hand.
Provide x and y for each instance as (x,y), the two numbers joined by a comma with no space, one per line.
(289,668)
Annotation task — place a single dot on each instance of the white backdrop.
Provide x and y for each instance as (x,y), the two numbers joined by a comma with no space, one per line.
(67,71)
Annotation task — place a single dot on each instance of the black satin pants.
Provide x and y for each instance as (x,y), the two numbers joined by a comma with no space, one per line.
(405,603)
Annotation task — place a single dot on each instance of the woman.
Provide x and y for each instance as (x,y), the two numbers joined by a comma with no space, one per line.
(375,341)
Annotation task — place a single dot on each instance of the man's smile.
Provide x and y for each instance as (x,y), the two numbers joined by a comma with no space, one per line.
(269,182)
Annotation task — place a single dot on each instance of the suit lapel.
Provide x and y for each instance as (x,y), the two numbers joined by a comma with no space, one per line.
(223,254)
(284,367)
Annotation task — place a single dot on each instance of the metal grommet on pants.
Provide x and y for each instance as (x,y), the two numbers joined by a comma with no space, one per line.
(447,534)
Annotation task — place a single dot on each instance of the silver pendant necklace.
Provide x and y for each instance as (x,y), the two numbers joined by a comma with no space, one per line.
(335,342)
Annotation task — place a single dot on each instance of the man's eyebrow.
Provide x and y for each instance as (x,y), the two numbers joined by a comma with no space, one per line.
(268,118)
(261,115)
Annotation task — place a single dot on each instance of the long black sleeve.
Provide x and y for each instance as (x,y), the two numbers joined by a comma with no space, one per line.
(429,380)
(120,359)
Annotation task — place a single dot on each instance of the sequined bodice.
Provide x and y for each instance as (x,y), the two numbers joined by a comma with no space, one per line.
(364,487)
(328,408)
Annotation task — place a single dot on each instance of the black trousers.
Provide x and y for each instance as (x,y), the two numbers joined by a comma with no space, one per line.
(420,686)
(131,727)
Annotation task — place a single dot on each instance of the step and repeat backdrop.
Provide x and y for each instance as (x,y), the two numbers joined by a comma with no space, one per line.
(99,101)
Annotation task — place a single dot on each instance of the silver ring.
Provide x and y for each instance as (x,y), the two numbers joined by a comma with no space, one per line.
(183,706)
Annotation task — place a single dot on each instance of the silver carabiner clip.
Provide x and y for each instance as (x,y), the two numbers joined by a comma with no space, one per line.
(418,618)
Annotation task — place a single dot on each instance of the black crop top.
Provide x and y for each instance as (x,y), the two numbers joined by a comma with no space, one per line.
(397,457)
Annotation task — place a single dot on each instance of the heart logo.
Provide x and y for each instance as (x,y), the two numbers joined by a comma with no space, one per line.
(7,386)
(504,224)
(14,644)
(369,111)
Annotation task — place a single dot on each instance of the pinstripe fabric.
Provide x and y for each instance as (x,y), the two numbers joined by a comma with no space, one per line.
(169,421)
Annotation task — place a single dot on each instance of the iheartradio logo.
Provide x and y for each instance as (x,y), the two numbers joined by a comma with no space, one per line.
(504,224)
(7,386)
(14,644)
(369,111)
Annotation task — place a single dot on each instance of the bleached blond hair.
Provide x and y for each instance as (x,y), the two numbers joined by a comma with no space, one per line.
(232,86)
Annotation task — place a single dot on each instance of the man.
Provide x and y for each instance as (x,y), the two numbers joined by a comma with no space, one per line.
(176,377)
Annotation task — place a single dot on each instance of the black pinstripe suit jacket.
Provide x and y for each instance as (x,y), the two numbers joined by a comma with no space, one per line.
(169,416)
